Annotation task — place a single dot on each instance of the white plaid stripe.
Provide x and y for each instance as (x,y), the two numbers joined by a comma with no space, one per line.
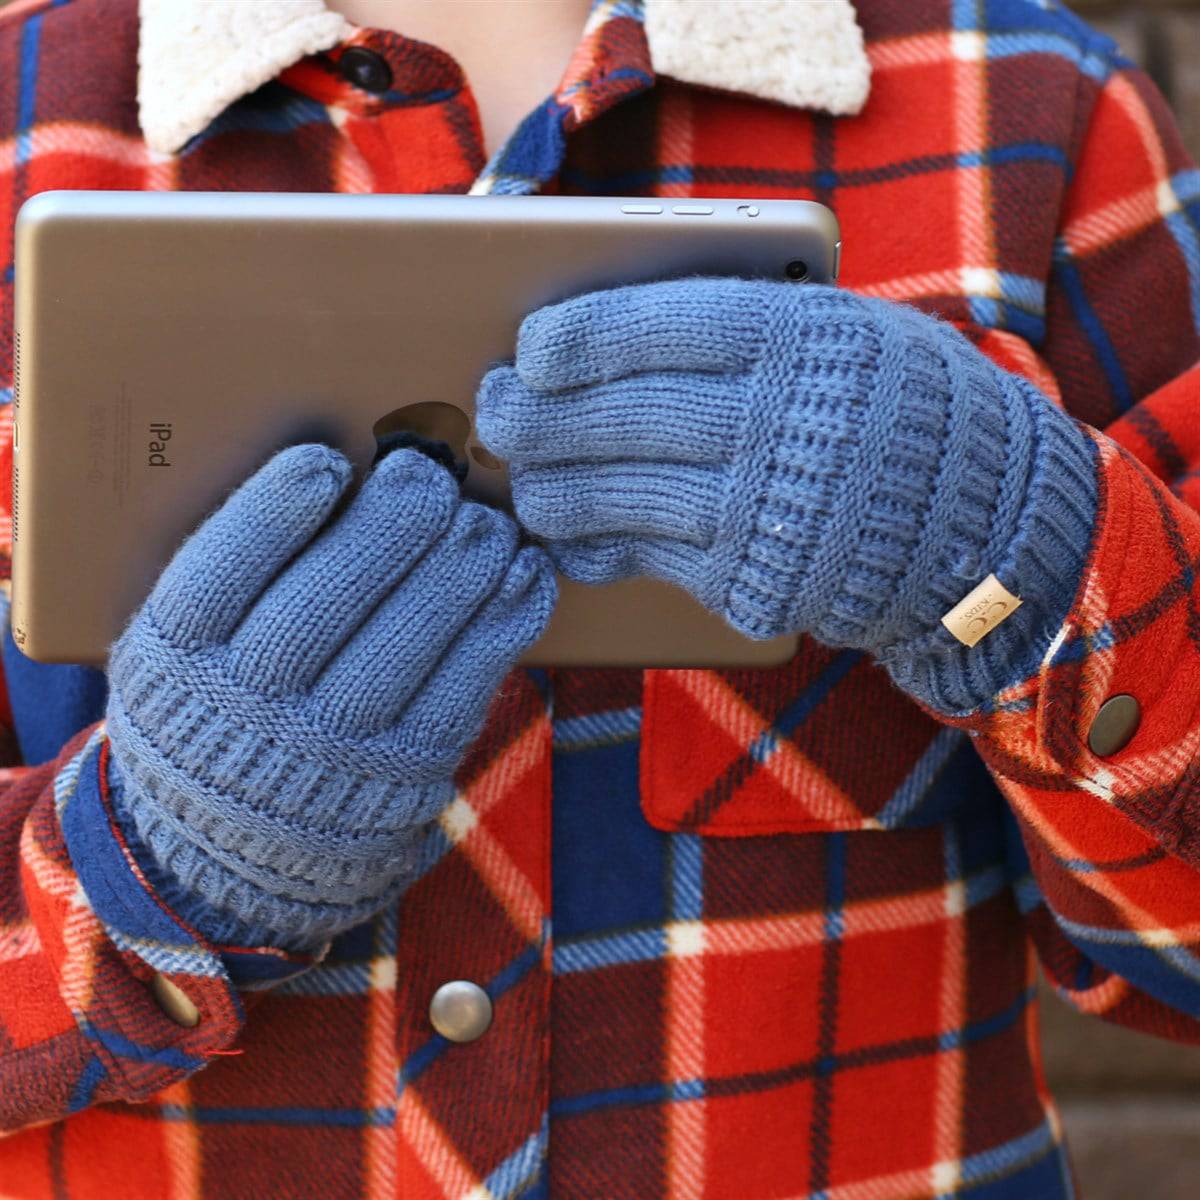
(685,1020)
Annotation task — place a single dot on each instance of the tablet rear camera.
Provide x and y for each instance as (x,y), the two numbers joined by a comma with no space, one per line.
(797,269)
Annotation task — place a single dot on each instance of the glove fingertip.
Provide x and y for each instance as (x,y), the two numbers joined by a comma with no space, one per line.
(410,465)
(311,458)
(499,405)
(551,339)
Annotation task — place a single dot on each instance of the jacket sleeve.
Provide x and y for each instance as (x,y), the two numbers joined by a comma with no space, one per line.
(105,994)
(1111,841)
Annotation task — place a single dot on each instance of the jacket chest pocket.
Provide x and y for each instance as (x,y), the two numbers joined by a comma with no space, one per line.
(824,742)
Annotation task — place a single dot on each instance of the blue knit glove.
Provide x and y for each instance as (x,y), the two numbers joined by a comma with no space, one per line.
(288,707)
(801,459)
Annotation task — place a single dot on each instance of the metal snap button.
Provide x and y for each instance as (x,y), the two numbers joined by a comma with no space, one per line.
(365,69)
(460,1010)
(175,1002)
(1114,725)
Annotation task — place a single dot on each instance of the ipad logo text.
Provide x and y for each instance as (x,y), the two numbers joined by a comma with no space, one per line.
(160,435)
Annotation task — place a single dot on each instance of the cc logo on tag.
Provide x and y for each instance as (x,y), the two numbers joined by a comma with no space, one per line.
(981,624)
(978,613)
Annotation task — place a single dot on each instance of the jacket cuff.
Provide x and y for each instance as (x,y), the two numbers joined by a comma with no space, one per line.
(148,931)
(1132,631)
(149,1003)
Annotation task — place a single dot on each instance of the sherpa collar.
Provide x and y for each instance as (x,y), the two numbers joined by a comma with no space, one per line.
(196,57)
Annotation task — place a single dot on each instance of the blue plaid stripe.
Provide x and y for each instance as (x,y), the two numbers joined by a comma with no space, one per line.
(809,700)
(985,885)
(608,10)
(30,40)
(1090,62)
(523,1168)
(686,857)
(171,958)
(530,157)
(628,1097)
(596,729)
(1033,1164)
(274,109)
(1068,278)
(1020,308)
(1169,971)
(66,782)
(120,1046)
(329,979)
(31,32)
(610,950)
(84,1092)
(1184,227)
(964,15)
(914,793)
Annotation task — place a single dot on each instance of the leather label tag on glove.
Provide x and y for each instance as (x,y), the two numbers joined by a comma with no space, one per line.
(980,611)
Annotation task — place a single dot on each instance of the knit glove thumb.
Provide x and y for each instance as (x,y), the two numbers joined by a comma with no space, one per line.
(802,459)
(288,707)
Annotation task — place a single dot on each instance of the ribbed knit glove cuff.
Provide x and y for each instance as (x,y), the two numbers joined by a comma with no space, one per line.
(903,469)
(289,707)
(277,825)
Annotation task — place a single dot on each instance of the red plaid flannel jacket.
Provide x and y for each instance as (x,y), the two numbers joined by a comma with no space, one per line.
(795,917)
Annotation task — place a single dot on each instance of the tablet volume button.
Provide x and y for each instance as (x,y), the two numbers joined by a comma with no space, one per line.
(641,210)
